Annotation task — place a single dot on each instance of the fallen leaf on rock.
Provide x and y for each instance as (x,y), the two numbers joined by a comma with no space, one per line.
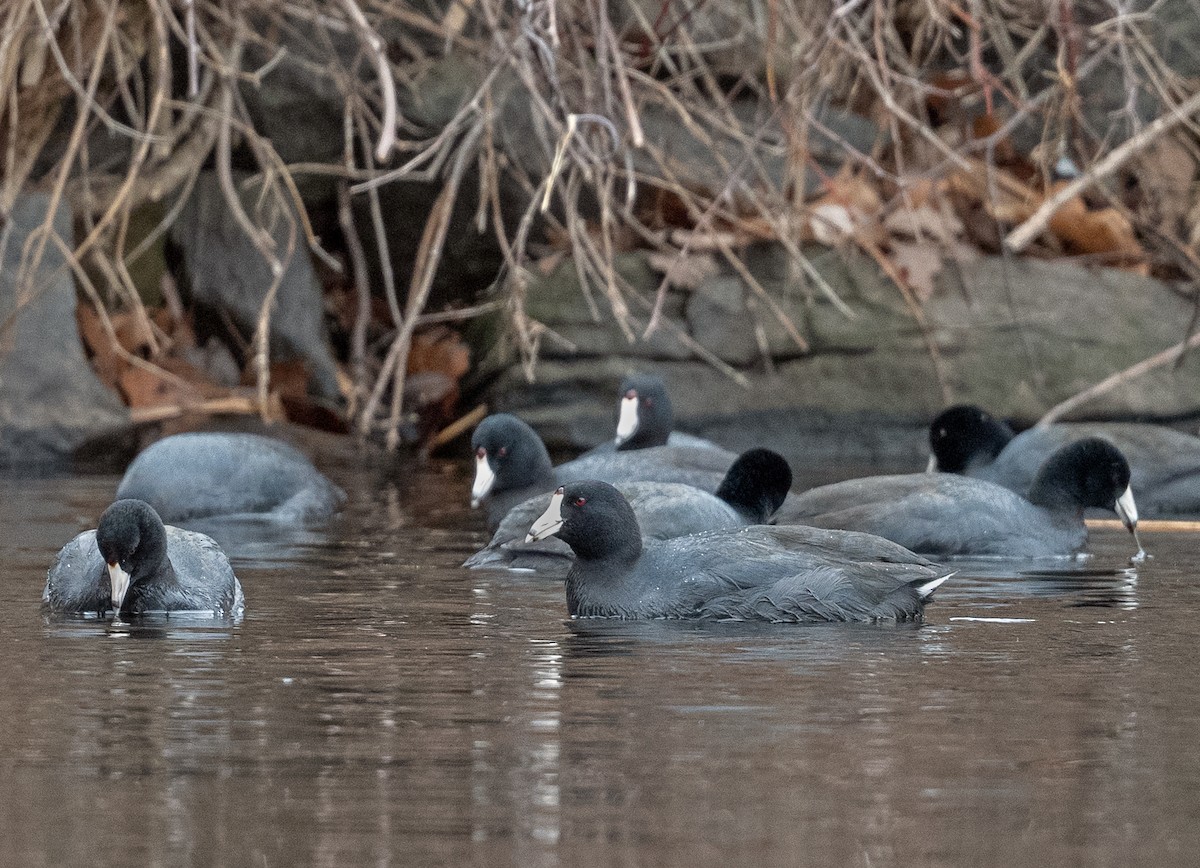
(548,264)
(105,360)
(142,387)
(1104,233)
(288,378)
(439,349)
(1166,173)
(919,262)
(925,221)
(831,223)
(684,270)
(849,210)
(704,239)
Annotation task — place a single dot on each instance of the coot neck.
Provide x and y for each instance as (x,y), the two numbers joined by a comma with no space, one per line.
(1050,493)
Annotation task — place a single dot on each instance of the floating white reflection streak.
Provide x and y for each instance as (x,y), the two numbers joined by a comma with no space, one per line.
(544,753)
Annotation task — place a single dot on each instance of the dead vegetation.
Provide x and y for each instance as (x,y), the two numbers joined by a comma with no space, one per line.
(688,131)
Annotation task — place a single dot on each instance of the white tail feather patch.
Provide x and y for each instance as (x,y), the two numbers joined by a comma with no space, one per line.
(924,591)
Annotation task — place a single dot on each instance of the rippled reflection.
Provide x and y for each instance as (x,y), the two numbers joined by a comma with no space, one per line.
(378,705)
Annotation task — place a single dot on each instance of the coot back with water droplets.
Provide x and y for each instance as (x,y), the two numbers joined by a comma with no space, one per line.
(756,573)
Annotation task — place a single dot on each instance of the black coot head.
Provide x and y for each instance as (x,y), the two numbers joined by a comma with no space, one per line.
(965,435)
(119,533)
(1087,473)
(508,454)
(133,543)
(756,484)
(593,518)
(645,413)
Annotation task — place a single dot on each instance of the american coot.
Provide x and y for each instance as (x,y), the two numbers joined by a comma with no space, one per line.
(753,574)
(965,439)
(646,417)
(752,490)
(512,465)
(1165,463)
(944,514)
(200,475)
(131,563)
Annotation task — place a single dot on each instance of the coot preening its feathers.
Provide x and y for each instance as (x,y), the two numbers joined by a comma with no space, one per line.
(133,563)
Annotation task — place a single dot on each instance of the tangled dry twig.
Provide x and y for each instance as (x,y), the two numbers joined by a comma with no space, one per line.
(633,125)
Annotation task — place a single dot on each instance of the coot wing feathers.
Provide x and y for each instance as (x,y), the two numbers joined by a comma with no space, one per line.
(78,580)
(701,467)
(664,510)
(776,573)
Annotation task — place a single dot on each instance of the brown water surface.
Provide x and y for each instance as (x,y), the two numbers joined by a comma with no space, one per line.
(379,705)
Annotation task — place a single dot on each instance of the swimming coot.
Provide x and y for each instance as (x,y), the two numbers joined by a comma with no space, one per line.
(202,475)
(512,465)
(1164,462)
(752,490)
(757,573)
(646,417)
(131,564)
(944,514)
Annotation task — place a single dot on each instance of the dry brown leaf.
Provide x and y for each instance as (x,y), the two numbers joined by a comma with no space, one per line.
(684,271)
(288,378)
(1105,233)
(440,350)
(145,388)
(919,263)
(1003,195)
(1167,174)
(849,210)
(930,220)
(704,239)
(105,361)
(548,264)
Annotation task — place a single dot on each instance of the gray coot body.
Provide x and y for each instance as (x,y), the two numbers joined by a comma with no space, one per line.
(751,492)
(1164,463)
(758,573)
(512,465)
(944,514)
(203,475)
(132,564)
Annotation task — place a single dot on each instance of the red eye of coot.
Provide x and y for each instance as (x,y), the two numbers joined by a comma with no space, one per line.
(649,402)
(502,451)
(579,501)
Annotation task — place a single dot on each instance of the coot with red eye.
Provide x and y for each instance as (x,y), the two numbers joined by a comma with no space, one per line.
(758,573)
(512,465)
(751,492)
(943,514)
(1164,462)
(646,417)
